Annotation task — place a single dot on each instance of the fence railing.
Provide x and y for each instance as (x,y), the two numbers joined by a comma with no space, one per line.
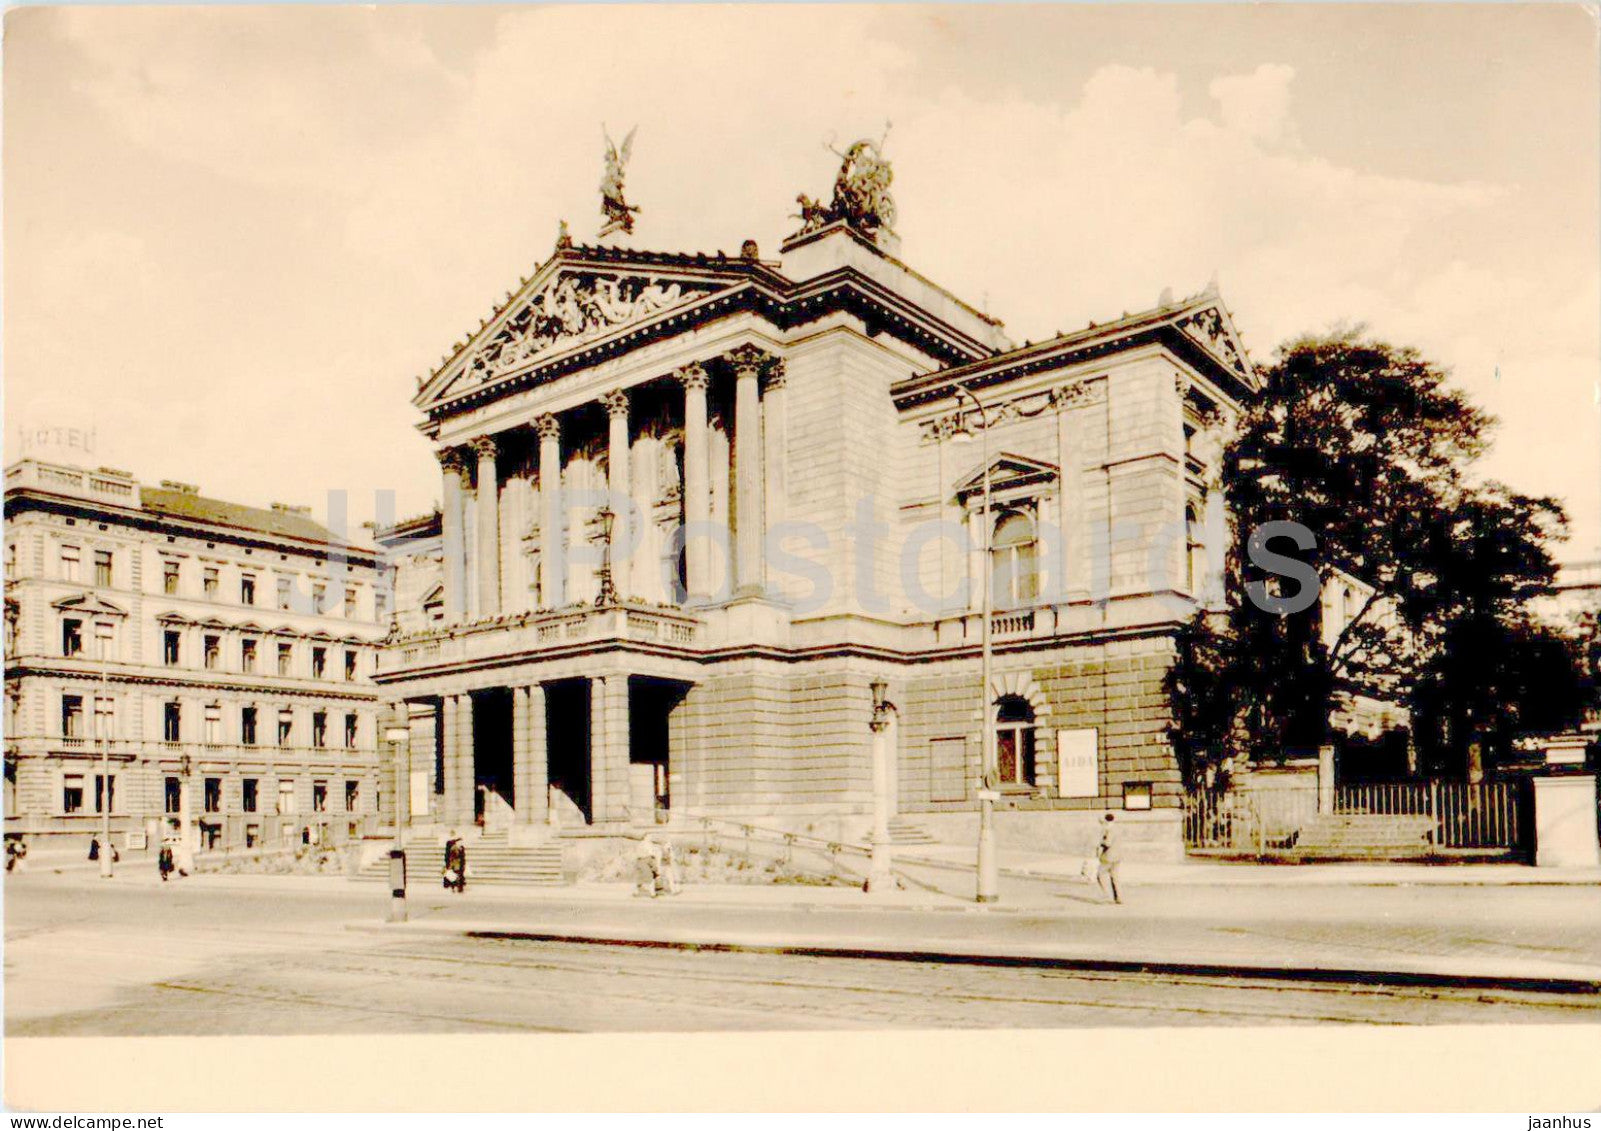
(1442,815)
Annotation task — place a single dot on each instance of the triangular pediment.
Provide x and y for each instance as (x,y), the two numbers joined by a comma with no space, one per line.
(568,303)
(1209,324)
(1006,471)
(89,605)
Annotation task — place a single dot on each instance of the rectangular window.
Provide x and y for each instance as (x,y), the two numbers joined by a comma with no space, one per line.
(213,724)
(350,665)
(286,659)
(247,589)
(247,656)
(247,726)
(103,568)
(319,728)
(172,796)
(171,647)
(252,836)
(169,576)
(72,716)
(319,662)
(350,604)
(380,605)
(72,793)
(247,799)
(286,726)
(105,717)
(214,795)
(172,722)
(319,797)
(104,795)
(352,796)
(286,796)
(1136,795)
(213,652)
(350,732)
(283,593)
(71,637)
(69,563)
(105,640)
(210,579)
(319,598)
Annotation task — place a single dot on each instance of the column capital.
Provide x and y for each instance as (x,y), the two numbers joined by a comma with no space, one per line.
(748,360)
(548,427)
(776,374)
(484,447)
(616,402)
(692,376)
(451,459)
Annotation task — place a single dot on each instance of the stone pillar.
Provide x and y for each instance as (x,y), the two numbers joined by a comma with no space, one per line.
(529,776)
(552,560)
(460,777)
(450,746)
(775,446)
(1565,821)
(618,463)
(748,573)
(452,467)
(486,553)
(697,498)
(1325,780)
(608,747)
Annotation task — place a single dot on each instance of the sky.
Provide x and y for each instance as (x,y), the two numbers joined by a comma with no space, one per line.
(234,236)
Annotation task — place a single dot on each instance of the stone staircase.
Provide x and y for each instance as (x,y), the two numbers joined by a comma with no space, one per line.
(904,831)
(1364,836)
(490,860)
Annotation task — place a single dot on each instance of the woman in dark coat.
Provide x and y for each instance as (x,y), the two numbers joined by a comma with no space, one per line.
(456,865)
(164,862)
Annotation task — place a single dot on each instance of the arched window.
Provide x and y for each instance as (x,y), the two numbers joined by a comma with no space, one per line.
(1014,551)
(1014,740)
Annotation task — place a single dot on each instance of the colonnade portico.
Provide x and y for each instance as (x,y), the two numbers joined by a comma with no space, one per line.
(559,460)
(476,587)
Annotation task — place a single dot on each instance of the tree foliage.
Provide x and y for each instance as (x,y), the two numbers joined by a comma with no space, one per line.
(1369,447)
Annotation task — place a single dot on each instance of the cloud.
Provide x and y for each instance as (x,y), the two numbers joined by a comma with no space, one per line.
(1256,105)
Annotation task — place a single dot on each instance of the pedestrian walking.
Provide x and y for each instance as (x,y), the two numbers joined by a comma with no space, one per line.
(94,848)
(455,875)
(648,864)
(670,868)
(164,862)
(1107,856)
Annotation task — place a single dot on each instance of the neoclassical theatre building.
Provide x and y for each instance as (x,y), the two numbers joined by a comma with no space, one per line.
(695,506)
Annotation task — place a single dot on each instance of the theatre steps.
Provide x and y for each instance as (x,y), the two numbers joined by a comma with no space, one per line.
(903,831)
(491,861)
(1363,836)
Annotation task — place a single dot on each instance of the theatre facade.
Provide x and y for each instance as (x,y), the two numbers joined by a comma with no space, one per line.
(695,507)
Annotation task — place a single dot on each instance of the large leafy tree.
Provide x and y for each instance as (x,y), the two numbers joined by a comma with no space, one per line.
(1370,448)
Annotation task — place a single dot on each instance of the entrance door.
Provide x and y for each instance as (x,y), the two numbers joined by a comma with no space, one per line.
(651,702)
(567,749)
(493,781)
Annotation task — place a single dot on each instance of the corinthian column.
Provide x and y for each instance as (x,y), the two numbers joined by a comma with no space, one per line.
(697,499)
(488,548)
(452,467)
(617,469)
(552,574)
(748,362)
(775,436)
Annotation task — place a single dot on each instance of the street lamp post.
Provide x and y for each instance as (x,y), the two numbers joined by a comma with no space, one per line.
(105,761)
(988,868)
(397,735)
(881,872)
(607,597)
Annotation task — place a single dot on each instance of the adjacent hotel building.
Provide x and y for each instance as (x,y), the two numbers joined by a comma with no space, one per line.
(219,656)
(695,507)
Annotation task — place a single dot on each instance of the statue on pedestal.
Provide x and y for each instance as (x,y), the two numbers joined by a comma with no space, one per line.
(618,212)
(861,193)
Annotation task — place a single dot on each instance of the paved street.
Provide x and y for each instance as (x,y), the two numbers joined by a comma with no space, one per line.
(271,955)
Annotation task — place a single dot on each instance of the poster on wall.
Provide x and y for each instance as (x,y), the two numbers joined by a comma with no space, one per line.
(1078,763)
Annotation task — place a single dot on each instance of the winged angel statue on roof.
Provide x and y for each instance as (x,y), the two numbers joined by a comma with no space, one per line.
(618,212)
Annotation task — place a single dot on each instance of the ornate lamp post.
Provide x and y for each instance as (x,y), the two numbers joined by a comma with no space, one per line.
(607,597)
(397,734)
(881,875)
(988,868)
(102,729)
